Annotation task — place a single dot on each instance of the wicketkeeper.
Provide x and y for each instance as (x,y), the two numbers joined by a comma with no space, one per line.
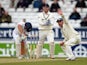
(20,34)
(45,20)
(71,36)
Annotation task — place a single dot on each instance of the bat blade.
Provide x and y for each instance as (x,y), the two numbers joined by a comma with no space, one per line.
(22,48)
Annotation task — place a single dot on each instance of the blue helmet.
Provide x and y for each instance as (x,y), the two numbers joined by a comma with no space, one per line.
(28,26)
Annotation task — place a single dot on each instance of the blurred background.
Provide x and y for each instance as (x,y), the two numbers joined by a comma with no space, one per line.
(14,11)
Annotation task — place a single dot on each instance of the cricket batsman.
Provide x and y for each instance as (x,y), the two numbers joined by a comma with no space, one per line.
(45,20)
(71,36)
(20,34)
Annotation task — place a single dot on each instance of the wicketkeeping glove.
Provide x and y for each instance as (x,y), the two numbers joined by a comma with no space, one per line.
(48,22)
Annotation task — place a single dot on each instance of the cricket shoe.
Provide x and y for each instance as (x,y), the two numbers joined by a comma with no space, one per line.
(71,59)
(20,57)
(26,57)
(37,57)
(52,57)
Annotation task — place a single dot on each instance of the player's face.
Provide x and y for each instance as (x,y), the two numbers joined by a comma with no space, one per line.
(60,24)
(45,9)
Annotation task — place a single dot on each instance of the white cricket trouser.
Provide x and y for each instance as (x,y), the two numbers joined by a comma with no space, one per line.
(49,34)
(43,34)
(67,46)
(18,40)
(73,41)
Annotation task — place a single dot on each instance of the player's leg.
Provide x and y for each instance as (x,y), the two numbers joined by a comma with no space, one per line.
(50,38)
(67,48)
(68,52)
(18,49)
(51,50)
(26,50)
(40,44)
(39,49)
(65,51)
(72,42)
(17,44)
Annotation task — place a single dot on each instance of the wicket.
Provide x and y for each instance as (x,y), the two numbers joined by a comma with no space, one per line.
(33,43)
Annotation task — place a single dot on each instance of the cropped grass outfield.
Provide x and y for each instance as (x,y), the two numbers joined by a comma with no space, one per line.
(42,61)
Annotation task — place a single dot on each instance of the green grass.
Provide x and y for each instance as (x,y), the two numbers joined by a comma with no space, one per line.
(42,61)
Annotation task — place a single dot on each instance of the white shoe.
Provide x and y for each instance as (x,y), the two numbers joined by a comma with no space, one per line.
(36,57)
(26,57)
(20,57)
(72,59)
(52,57)
(67,59)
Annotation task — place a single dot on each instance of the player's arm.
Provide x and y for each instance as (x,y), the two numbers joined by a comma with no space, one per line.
(42,22)
(21,30)
(52,19)
(62,43)
(61,13)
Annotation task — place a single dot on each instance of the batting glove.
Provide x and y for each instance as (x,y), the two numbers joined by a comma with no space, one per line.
(23,37)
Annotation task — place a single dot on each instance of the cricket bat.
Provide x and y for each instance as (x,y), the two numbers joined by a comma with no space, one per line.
(22,48)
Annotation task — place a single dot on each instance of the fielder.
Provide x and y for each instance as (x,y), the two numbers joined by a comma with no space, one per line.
(20,34)
(71,37)
(46,21)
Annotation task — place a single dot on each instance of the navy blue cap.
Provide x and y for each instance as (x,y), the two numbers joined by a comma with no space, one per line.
(45,5)
(28,26)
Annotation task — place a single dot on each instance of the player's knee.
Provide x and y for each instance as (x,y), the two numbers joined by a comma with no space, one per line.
(66,44)
(26,47)
(51,43)
(41,42)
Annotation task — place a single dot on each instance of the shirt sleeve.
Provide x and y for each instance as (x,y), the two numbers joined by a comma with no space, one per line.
(65,21)
(52,19)
(64,40)
(40,20)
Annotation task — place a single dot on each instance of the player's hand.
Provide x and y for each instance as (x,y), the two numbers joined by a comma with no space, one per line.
(23,37)
(48,22)
(60,12)
(62,43)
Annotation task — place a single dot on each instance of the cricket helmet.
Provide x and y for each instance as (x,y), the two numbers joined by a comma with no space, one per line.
(28,26)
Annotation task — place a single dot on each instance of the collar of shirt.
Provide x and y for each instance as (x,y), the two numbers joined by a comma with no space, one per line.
(46,16)
(46,13)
